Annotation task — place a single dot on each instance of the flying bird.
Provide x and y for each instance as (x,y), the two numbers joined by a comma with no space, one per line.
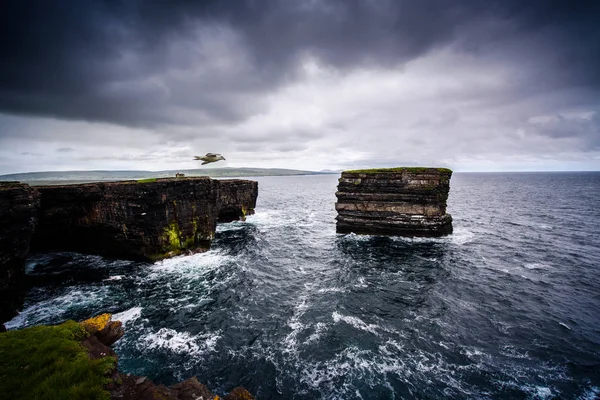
(209,158)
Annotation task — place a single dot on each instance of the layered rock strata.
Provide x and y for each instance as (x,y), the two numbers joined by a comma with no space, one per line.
(395,201)
(19,205)
(150,219)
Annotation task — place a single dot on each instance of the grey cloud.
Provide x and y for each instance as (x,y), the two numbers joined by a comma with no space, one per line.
(65,150)
(197,63)
(586,129)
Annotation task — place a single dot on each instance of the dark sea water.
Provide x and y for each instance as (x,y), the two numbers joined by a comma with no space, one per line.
(508,307)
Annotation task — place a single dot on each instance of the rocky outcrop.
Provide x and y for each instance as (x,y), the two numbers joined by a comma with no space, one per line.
(18,216)
(149,219)
(396,201)
(237,199)
(75,361)
(103,332)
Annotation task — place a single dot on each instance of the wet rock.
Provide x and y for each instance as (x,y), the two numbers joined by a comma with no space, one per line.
(18,218)
(237,199)
(239,393)
(395,201)
(191,389)
(102,327)
(149,220)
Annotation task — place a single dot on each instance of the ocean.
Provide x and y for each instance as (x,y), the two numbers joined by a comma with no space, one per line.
(507,307)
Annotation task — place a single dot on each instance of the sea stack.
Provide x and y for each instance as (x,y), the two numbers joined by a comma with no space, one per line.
(404,201)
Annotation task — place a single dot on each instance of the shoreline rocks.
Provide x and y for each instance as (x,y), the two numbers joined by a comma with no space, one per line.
(75,360)
(104,332)
(400,201)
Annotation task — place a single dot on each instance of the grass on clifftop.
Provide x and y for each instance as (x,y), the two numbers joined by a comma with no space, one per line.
(398,169)
(48,362)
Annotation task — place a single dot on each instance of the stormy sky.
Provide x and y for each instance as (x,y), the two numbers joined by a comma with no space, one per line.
(147,84)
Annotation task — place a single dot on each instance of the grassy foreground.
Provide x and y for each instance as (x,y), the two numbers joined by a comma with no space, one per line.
(48,362)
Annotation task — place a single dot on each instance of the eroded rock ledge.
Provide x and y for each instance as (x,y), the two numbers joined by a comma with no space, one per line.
(394,201)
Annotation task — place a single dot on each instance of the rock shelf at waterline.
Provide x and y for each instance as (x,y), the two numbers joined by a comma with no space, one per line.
(404,201)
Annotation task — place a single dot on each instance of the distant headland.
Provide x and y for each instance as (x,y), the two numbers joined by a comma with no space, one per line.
(64,177)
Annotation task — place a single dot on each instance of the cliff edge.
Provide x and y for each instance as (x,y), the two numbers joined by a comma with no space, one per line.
(400,201)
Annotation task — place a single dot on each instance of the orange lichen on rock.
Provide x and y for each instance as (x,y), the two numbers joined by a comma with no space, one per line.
(96,323)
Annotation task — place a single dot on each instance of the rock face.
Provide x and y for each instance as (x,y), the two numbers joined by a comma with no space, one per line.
(396,201)
(150,219)
(18,216)
(237,199)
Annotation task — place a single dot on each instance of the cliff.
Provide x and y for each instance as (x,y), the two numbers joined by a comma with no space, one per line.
(18,215)
(237,199)
(395,201)
(74,360)
(149,219)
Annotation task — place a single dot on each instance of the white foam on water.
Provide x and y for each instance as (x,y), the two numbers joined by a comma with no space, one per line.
(114,278)
(128,315)
(320,328)
(361,282)
(332,290)
(269,218)
(179,342)
(510,351)
(355,322)
(190,270)
(565,325)
(290,342)
(461,236)
(539,392)
(592,393)
(48,311)
(545,227)
(536,266)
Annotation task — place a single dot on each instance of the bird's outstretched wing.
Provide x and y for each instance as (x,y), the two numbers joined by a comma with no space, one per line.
(212,154)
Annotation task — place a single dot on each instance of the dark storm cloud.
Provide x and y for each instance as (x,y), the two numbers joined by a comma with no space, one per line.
(145,63)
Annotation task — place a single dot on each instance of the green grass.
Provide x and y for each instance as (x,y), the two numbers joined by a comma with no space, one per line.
(146,180)
(398,169)
(48,362)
